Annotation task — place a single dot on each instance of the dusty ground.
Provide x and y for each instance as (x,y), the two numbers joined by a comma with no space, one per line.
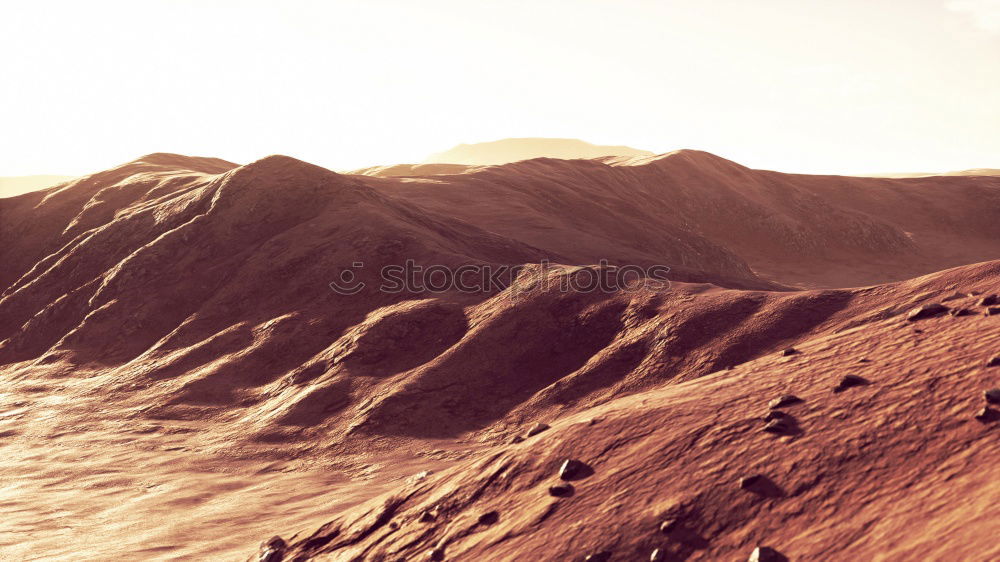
(80,482)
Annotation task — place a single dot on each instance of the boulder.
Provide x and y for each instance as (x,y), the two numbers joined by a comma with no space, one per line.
(766,554)
(926,311)
(783,400)
(850,381)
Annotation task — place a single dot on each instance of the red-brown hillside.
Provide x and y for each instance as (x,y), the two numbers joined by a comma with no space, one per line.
(170,343)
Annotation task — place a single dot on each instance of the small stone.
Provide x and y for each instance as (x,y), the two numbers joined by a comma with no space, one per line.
(849,381)
(561,490)
(766,554)
(570,468)
(428,516)
(987,414)
(271,556)
(516,439)
(657,555)
(989,300)
(272,550)
(789,351)
(435,554)
(954,296)
(598,557)
(275,543)
(777,426)
(992,395)
(775,415)
(489,518)
(761,485)
(960,312)
(864,360)
(668,526)
(994,361)
(992,311)
(926,311)
(536,429)
(783,400)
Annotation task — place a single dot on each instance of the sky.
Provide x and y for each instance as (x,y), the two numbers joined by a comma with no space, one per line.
(836,86)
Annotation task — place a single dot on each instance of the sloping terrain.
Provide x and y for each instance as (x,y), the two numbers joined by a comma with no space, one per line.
(171,347)
(798,230)
(900,465)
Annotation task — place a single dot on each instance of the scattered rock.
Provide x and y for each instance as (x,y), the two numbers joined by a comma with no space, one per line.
(926,311)
(428,516)
(989,300)
(668,526)
(960,312)
(987,414)
(489,518)
(954,296)
(516,439)
(657,555)
(761,485)
(992,311)
(570,469)
(864,360)
(992,395)
(766,554)
(994,361)
(536,429)
(680,533)
(783,400)
(850,381)
(790,351)
(775,415)
(422,475)
(561,490)
(272,550)
(598,557)
(435,554)
(779,426)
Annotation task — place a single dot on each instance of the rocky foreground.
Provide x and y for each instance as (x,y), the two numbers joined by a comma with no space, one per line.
(875,440)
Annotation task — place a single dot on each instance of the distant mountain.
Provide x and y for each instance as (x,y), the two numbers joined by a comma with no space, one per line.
(972,172)
(513,150)
(17,185)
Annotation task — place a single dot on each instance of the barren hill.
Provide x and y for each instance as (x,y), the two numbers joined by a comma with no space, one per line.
(880,449)
(170,342)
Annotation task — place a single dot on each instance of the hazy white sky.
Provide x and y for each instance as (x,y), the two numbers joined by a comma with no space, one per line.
(845,86)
